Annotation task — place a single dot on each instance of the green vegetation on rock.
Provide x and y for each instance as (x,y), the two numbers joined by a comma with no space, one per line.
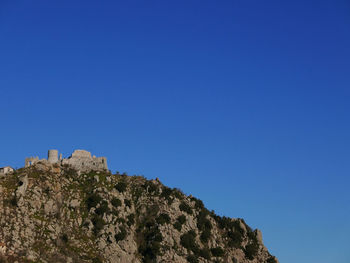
(79,217)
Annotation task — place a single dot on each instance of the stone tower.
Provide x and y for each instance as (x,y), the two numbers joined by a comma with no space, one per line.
(52,156)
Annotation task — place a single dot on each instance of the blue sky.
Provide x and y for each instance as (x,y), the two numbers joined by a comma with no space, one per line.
(243,104)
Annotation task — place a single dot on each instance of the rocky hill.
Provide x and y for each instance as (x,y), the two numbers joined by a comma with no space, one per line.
(52,213)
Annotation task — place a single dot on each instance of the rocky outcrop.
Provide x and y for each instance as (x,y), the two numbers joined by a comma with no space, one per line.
(52,213)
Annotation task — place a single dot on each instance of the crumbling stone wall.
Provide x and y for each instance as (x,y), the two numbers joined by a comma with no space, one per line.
(80,160)
(6,170)
(30,161)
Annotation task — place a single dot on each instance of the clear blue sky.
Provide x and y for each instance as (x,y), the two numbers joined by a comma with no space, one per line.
(244,104)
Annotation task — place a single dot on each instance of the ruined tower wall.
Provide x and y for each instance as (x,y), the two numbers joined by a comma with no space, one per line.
(81,160)
(52,156)
(30,161)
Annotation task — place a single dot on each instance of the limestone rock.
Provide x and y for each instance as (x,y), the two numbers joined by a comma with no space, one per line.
(51,213)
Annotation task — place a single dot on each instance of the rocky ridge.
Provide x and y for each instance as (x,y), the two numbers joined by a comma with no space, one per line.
(53,213)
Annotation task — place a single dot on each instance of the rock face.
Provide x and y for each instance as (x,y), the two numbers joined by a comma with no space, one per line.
(52,213)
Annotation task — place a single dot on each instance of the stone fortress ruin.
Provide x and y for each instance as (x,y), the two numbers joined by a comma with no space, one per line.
(6,170)
(80,160)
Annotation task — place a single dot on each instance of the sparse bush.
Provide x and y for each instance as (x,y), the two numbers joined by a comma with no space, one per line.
(3,259)
(236,239)
(64,238)
(103,208)
(116,202)
(178,193)
(205,253)
(163,219)
(225,222)
(149,251)
(217,252)
(121,186)
(93,200)
(177,226)
(131,220)
(271,260)
(121,234)
(251,250)
(150,187)
(185,208)
(192,259)
(188,241)
(127,202)
(98,223)
(203,222)
(115,212)
(205,235)
(97,260)
(181,219)
(154,234)
(149,246)
(136,193)
(198,203)
(121,220)
(166,192)
(179,222)
(13,201)
(47,190)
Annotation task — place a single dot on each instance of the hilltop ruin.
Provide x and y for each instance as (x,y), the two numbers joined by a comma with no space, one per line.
(80,160)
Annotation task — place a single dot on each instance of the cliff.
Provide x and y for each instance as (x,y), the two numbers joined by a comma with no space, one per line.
(52,213)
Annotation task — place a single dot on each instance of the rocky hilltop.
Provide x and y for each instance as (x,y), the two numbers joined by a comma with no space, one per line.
(53,213)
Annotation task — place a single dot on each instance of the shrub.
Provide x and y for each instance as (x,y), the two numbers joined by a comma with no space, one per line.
(163,219)
(121,186)
(271,260)
(64,238)
(154,234)
(188,241)
(205,253)
(121,234)
(205,235)
(116,202)
(202,221)
(178,193)
(149,246)
(127,202)
(166,192)
(149,251)
(103,208)
(217,252)
(136,193)
(131,219)
(13,202)
(121,220)
(251,250)
(150,187)
(236,239)
(46,190)
(92,200)
(181,219)
(115,212)
(225,222)
(185,208)
(97,260)
(178,225)
(179,222)
(192,259)
(198,203)
(98,223)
